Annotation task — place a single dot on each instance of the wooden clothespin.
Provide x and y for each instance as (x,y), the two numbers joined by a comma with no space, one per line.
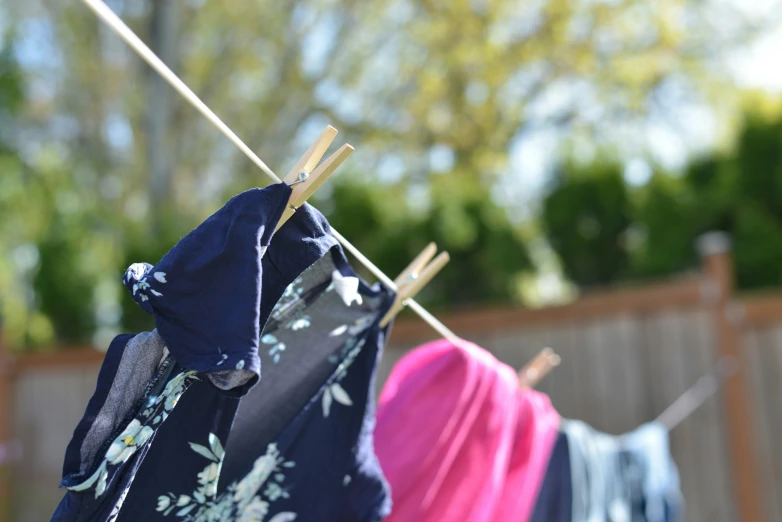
(414,278)
(537,368)
(304,178)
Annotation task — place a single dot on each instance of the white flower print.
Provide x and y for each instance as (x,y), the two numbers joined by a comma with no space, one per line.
(136,433)
(349,352)
(275,491)
(336,392)
(128,442)
(346,287)
(141,286)
(135,271)
(214,452)
(174,390)
(340,395)
(208,478)
(171,401)
(101,487)
(325,402)
(263,467)
(276,350)
(339,330)
(300,323)
(255,511)
(289,297)
(240,364)
(163,502)
(242,501)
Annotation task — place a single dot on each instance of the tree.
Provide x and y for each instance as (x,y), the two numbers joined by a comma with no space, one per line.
(585,218)
(487,254)
(738,193)
(134,166)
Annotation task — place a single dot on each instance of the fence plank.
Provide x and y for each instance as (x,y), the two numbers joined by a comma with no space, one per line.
(620,367)
(756,349)
(773,413)
(47,406)
(683,441)
(710,448)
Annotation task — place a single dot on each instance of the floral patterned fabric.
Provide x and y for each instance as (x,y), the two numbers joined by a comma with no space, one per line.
(296,445)
(219,262)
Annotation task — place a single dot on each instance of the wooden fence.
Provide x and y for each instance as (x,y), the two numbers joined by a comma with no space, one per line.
(626,355)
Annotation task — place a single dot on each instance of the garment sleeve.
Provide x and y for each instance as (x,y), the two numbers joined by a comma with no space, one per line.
(138,386)
(205,293)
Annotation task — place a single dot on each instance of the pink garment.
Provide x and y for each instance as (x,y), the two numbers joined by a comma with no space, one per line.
(458,440)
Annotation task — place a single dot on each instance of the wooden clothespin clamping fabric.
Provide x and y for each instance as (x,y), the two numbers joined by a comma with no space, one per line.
(537,368)
(414,278)
(304,178)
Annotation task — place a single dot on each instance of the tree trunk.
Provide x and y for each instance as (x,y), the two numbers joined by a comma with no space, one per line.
(164,31)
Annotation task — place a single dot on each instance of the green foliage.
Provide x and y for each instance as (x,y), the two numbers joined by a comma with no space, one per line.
(11,81)
(667,219)
(107,166)
(739,194)
(64,285)
(585,217)
(487,253)
(759,162)
(757,247)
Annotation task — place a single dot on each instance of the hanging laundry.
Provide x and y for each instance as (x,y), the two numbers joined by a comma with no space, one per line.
(630,478)
(459,440)
(555,499)
(252,400)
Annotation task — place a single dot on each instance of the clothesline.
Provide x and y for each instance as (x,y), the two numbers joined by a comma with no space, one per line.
(124,32)
(689,401)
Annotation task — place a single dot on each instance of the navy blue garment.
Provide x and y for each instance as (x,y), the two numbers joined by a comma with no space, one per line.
(555,499)
(253,398)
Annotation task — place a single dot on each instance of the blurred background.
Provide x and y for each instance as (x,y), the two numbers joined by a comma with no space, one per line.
(555,148)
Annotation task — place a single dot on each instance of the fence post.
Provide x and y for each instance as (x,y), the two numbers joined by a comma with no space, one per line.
(6,435)
(714,249)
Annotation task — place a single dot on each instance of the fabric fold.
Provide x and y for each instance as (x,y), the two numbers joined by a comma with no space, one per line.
(459,440)
(631,477)
(298,443)
(205,293)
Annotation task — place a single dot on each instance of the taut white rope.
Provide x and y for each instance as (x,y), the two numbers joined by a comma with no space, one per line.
(124,32)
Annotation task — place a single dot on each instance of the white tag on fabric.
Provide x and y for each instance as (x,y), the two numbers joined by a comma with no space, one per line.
(346,287)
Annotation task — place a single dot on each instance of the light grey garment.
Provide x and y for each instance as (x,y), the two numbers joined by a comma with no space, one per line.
(650,448)
(141,358)
(229,379)
(599,493)
(627,478)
